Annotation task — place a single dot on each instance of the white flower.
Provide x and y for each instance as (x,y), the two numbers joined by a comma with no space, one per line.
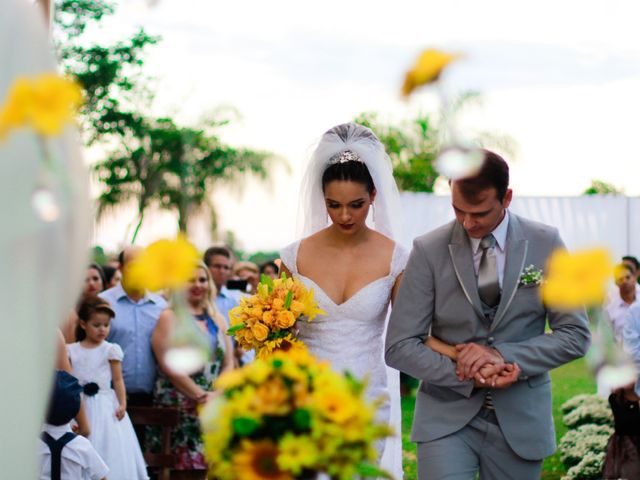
(456,162)
(531,276)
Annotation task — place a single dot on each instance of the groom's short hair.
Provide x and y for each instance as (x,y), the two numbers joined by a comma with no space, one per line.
(494,173)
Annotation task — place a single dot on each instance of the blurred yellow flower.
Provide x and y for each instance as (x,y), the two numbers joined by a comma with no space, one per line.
(337,405)
(44,103)
(575,280)
(272,398)
(258,461)
(296,453)
(163,264)
(427,69)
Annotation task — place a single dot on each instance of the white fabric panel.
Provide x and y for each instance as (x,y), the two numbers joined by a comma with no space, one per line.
(589,221)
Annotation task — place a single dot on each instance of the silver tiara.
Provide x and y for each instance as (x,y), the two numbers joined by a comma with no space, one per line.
(344,157)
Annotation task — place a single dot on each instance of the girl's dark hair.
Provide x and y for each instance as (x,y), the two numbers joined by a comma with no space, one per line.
(350,171)
(88,307)
(109,272)
(100,271)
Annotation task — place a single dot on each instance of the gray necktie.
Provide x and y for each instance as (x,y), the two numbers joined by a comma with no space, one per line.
(488,283)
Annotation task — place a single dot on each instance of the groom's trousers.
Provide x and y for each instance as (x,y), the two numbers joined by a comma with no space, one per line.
(479,446)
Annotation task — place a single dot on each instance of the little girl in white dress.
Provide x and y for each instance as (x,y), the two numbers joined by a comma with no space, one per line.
(97,364)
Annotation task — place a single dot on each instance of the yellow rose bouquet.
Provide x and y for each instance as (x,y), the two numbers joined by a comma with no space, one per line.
(266,321)
(291,417)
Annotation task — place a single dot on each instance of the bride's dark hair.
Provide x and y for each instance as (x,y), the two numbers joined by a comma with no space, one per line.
(350,171)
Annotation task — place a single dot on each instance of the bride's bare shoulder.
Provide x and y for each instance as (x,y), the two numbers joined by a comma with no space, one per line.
(313,241)
(378,240)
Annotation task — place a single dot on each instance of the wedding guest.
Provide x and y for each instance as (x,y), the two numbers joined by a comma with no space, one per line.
(97,364)
(250,272)
(112,276)
(618,306)
(94,283)
(63,454)
(185,392)
(136,316)
(62,363)
(270,269)
(614,292)
(218,260)
(631,337)
(633,262)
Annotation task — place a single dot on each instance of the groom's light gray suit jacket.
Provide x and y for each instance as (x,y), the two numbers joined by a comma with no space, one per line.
(439,295)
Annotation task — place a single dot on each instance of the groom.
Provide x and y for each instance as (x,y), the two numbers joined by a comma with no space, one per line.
(463,286)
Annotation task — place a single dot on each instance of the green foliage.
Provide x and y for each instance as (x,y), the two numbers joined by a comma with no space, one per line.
(598,187)
(412,148)
(108,74)
(259,258)
(414,145)
(150,161)
(576,444)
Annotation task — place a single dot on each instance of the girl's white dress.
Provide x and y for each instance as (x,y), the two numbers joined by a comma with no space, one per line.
(115,440)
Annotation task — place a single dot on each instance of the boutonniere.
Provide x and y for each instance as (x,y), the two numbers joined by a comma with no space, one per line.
(530,276)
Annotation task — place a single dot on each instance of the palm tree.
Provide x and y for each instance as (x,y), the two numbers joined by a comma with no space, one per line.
(174,168)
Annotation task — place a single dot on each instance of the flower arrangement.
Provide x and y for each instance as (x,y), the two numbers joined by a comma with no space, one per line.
(266,321)
(586,399)
(591,413)
(531,276)
(577,443)
(290,417)
(589,468)
(582,449)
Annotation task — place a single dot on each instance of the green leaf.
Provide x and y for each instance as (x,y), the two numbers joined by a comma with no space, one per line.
(367,470)
(302,419)
(232,330)
(288,299)
(266,280)
(244,426)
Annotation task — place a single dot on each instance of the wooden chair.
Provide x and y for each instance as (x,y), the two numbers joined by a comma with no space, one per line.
(166,418)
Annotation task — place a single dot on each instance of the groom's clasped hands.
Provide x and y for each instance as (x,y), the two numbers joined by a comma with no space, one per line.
(485,366)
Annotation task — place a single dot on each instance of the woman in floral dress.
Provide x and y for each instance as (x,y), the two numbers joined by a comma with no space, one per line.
(188,392)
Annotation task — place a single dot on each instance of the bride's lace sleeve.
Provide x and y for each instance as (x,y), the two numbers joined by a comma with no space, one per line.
(288,256)
(400,258)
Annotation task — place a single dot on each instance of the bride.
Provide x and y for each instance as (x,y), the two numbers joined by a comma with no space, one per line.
(355,270)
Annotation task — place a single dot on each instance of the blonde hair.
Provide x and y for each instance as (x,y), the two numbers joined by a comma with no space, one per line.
(210,299)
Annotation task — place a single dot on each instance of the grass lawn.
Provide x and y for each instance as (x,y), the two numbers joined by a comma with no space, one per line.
(568,381)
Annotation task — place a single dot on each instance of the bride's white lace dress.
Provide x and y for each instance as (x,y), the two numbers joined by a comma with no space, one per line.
(351,337)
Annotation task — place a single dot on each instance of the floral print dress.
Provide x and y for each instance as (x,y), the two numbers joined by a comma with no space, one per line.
(186,438)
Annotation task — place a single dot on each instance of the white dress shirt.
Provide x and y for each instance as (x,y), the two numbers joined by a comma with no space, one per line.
(79,460)
(500,234)
(617,309)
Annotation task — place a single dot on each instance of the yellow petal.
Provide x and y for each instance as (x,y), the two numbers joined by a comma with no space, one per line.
(430,64)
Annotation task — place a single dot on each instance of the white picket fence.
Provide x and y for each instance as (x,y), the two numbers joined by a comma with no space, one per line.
(588,221)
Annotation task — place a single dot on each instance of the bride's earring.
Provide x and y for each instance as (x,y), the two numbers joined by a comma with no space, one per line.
(373,212)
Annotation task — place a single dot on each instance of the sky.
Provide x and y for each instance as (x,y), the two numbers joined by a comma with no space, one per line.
(560,78)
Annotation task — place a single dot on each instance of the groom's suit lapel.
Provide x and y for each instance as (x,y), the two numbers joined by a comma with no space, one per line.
(460,251)
(516,254)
